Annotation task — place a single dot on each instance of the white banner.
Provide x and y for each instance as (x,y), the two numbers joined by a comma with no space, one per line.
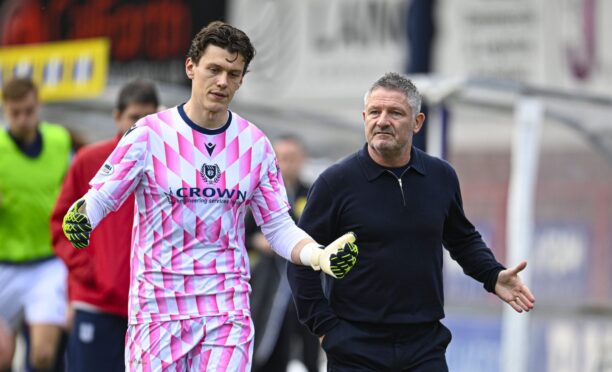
(319,49)
(561,44)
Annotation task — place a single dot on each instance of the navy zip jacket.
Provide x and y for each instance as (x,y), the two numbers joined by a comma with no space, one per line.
(401,224)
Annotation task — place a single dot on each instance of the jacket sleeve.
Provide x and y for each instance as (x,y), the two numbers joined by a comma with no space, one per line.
(465,243)
(79,262)
(313,308)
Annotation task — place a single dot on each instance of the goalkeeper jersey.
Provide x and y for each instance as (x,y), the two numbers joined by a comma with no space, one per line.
(192,188)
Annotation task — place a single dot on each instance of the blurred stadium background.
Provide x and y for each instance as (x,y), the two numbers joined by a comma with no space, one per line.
(488,70)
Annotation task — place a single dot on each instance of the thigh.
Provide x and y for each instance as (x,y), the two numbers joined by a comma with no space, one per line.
(425,349)
(45,302)
(153,346)
(226,346)
(349,347)
(97,342)
(216,343)
(45,340)
(435,364)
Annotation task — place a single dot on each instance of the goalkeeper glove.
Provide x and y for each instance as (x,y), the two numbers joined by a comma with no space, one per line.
(76,226)
(336,260)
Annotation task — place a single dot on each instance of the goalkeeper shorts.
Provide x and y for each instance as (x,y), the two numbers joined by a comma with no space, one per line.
(34,291)
(212,343)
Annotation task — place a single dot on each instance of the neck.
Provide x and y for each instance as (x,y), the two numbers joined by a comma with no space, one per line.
(390,160)
(26,137)
(205,118)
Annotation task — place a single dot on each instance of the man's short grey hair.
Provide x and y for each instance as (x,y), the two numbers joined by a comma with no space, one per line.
(395,81)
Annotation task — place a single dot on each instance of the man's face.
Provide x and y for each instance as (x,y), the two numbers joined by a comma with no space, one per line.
(290,158)
(22,115)
(130,115)
(216,78)
(389,122)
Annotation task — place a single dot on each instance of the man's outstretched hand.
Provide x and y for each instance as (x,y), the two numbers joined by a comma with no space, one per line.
(511,289)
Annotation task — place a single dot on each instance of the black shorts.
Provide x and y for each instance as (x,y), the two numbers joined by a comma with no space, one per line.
(354,346)
(97,342)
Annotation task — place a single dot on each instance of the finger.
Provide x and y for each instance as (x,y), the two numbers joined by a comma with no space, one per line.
(518,268)
(352,248)
(525,290)
(343,257)
(523,303)
(526,300)
(515,306)
(76,228)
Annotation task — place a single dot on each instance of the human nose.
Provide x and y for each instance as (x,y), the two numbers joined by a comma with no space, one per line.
(222,79)
(383,120)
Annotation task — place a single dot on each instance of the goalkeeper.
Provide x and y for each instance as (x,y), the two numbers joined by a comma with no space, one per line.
(194,169)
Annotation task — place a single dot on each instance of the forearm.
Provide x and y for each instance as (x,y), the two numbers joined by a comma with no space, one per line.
(96,207)
(286,239)
(313,309)
(477,261)
(292,243)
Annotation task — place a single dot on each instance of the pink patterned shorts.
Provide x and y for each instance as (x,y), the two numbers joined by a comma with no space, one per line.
(215,343)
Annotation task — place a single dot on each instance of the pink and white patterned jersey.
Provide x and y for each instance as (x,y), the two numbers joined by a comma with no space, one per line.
(192,188)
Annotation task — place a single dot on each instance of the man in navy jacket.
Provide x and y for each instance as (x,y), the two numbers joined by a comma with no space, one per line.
(403,205)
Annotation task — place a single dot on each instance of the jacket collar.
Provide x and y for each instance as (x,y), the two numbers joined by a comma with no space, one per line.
(373,170)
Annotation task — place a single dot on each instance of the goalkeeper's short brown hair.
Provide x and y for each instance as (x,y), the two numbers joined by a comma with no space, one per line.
(224,36)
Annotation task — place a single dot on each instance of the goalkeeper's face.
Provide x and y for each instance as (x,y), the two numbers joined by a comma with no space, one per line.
(215,78)
(390,123)
(22,114)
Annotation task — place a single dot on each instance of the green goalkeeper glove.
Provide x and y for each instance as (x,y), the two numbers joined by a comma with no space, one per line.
(338,258)
(76,226)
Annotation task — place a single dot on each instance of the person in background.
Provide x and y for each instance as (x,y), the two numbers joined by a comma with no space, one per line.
(98,278)
(34,158)
(271,298)
(404,206)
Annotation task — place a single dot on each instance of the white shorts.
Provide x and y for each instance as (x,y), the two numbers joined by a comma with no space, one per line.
(36,292)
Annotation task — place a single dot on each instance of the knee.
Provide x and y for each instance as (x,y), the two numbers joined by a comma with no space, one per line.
(43,359)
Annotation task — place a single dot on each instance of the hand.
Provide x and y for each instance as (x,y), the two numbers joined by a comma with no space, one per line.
(338,258)
(511,289)
(76,225)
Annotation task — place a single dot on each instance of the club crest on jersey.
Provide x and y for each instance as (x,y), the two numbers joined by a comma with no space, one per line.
(210,173)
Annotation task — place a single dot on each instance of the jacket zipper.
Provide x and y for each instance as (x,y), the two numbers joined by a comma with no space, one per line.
(399,180)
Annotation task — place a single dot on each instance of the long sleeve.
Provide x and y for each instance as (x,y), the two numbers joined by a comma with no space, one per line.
(314,310)
(119,175)
(269,197)
(465,243)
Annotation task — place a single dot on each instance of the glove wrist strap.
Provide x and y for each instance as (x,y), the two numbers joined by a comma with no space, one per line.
(310,254)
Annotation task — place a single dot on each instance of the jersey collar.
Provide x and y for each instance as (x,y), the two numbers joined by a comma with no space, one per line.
(200,129)
(373,170)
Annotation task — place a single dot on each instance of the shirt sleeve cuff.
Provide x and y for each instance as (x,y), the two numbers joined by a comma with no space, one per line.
(489,284)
